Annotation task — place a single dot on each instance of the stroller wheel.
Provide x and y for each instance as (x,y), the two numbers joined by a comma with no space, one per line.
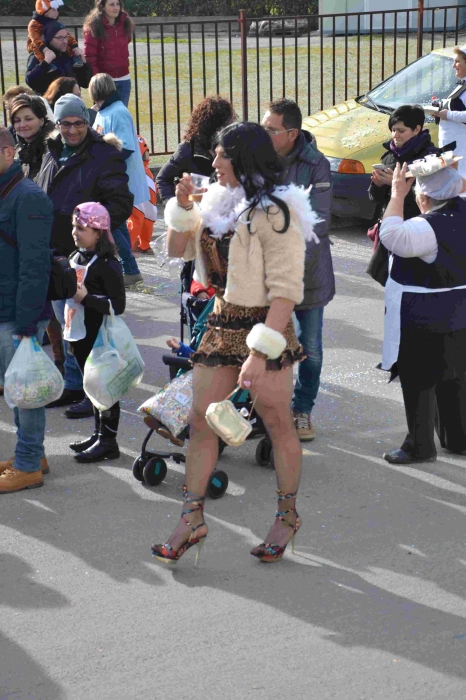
(138,466)
(221,446)
(155,471)
(263,452)
(218,484)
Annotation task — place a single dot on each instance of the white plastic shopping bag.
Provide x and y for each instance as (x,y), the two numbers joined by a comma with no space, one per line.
(121,338)
(114,364)
(31,380)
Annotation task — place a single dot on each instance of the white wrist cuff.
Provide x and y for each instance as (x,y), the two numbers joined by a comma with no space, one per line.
(180,219)
(266,340)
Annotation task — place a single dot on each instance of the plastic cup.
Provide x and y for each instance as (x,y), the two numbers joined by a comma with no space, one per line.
(200,184)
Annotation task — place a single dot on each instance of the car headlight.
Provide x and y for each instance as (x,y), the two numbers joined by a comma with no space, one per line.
(348,166)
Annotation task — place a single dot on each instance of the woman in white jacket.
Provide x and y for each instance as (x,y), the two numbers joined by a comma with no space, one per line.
(452,115)
(248,238)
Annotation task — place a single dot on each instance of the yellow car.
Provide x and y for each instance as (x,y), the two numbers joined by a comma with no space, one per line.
(351,133)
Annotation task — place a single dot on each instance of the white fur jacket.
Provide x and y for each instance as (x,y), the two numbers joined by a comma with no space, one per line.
(262,264)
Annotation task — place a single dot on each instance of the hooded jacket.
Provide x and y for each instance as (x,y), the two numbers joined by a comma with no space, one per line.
(188,158)
(96,172)
(305,165)
(26,217)
(381,195)
(109,54)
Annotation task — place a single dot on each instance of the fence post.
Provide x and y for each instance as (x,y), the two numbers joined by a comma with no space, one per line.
(244,62)
(420,26)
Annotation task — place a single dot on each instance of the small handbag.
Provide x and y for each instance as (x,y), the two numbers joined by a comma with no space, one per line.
(228,423)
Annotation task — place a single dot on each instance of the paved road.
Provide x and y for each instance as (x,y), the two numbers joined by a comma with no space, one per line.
(371,606)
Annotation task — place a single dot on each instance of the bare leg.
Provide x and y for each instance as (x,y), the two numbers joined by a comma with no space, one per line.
(274,406)
(209,385)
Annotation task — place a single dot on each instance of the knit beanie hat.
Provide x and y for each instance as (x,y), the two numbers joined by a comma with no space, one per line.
(50,29)
(43,6)
(70,105)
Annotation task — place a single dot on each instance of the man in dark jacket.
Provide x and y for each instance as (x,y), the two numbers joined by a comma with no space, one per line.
(305,165)
(38,75)
(25,226)
(80,166)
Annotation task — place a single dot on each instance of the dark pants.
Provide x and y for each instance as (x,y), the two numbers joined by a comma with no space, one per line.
(432,369)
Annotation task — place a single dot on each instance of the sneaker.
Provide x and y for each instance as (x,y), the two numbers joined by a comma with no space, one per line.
(304,427)
(44,465)
(77,62)
(52,68)
(13,480)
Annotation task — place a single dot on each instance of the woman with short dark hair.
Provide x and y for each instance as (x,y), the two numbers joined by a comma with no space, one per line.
(194,154)
(28,117)
(248,237)
(409,142)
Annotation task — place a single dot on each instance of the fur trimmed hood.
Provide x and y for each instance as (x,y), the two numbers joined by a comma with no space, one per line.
(113,140)
(222,207)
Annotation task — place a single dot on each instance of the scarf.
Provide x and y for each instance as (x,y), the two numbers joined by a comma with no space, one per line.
(414,144)
(32,152)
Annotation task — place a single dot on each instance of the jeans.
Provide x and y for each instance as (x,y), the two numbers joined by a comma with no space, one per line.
(30,423)
(123,242)
(308,326)
(124,89)
(73,376)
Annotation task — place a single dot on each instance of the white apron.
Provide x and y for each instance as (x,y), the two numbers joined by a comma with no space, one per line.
(392,321)
(75,328)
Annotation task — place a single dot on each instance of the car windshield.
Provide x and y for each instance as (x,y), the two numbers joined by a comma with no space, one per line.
(430,76)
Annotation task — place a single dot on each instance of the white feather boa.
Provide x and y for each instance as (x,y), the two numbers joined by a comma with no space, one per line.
(222,207)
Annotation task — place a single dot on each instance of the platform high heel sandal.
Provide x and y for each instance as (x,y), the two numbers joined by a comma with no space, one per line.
(271,552)
(195,534)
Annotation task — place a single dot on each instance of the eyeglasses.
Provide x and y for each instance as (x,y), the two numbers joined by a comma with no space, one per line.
(68,125)
(275,132)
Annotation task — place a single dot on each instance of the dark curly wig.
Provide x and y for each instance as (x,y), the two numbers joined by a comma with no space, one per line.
(255,163)
(210,115)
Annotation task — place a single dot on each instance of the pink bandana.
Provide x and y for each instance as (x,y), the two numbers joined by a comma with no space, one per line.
(94,215)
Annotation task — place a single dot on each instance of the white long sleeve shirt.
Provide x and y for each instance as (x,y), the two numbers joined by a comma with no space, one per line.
(453,128)
(414,238)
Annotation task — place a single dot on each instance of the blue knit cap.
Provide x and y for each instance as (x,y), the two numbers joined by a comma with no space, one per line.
(70,105)
(50,29)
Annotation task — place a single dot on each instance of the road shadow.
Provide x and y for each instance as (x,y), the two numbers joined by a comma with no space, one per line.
(21,677)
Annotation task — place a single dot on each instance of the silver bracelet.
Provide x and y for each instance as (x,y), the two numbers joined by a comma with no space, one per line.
(188,208)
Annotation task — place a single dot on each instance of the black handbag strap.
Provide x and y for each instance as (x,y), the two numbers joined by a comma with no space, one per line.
(8,189)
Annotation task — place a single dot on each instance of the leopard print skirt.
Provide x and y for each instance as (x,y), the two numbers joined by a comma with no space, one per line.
(224,342)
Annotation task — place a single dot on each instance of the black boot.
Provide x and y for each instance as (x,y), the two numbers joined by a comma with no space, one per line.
(82,445)
(106,446)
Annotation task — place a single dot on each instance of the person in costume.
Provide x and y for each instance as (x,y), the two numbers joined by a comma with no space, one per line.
(248,237)
(100,284)
(425,312)
(144,215)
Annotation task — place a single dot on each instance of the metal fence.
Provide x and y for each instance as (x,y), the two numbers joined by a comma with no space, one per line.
(318,60)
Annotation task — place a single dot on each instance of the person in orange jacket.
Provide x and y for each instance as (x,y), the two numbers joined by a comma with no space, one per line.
(143,217)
